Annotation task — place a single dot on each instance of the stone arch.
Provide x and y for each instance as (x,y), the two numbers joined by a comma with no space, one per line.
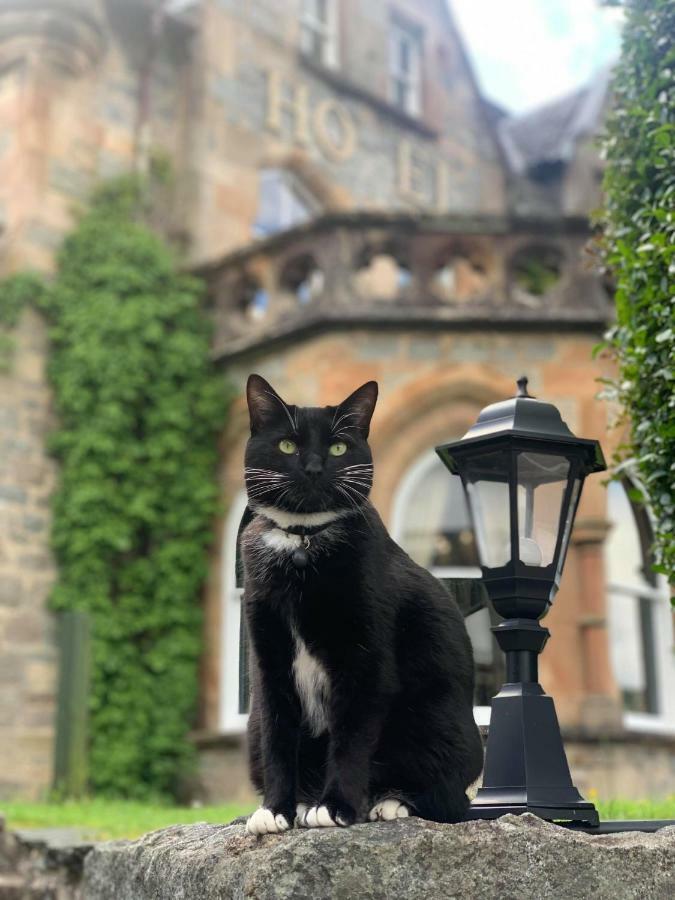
(66,36)
(421,415)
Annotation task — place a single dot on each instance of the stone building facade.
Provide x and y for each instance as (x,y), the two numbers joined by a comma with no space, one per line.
(359,211)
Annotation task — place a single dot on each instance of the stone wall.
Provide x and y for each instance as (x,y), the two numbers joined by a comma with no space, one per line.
(32,869)
(28,663)
(227,94)
(513,857)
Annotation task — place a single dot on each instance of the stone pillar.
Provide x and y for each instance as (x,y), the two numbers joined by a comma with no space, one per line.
(601,708)
(45,48)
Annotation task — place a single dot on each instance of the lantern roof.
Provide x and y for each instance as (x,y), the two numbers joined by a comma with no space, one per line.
(525,417)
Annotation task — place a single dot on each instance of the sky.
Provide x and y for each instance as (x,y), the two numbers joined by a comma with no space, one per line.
(526,52)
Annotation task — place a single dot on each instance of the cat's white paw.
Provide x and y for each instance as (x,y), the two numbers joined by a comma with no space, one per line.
(318,817)
(300,813)
(388,810)
(263,821)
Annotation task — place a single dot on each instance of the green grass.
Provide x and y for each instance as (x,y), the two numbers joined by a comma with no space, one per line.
(636,809)
(108,819)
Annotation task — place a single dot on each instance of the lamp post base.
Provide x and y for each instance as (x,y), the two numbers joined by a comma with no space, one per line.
(584,813)
(526,768)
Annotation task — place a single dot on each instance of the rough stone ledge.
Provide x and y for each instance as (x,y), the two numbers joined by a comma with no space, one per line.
(519,857)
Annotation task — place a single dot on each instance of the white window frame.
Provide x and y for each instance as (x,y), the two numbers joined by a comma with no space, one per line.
(326,30)
(662,722)
(411,79)
(231,721)
(402,499)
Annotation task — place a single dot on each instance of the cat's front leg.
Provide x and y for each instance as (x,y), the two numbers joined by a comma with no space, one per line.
(279,747)
(356,717)
(277,732)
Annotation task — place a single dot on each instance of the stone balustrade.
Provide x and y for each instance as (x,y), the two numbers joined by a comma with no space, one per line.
(394,270)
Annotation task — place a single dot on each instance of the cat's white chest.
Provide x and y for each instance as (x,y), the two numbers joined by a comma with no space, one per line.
(313,687)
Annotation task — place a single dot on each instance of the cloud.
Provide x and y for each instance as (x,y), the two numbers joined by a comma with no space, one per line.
(526,52)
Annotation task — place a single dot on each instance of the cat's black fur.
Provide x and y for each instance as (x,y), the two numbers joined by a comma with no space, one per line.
(398,703)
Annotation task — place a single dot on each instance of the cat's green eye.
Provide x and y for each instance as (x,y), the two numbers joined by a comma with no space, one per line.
(287,446)
(337,449)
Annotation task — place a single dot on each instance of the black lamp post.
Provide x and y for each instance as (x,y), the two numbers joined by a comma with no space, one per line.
(523,471)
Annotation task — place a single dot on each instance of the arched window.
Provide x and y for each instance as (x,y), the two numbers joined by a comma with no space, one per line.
(431,522)
(283,202)
(640,617)
(233,687)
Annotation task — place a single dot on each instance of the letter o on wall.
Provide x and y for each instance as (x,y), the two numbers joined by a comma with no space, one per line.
(334,130)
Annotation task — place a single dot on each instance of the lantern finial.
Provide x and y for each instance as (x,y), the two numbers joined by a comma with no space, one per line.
(522,386)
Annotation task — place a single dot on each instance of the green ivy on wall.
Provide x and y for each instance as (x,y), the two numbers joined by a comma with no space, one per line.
(15,294)
(639,244)
(139,409)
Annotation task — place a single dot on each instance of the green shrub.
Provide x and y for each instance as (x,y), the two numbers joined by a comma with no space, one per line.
(639,244)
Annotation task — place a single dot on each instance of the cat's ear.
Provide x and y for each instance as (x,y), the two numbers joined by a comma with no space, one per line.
(264,404)
(357,410)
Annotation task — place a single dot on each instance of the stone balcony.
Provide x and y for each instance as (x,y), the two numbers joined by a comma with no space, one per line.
(404,270)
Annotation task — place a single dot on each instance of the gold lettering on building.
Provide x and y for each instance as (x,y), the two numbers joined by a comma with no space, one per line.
(410,174)
(296,105)
(422,176)
(334,130)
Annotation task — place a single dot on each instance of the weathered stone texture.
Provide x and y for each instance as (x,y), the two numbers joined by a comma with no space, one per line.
(27,651)
(32,869)
(515,858)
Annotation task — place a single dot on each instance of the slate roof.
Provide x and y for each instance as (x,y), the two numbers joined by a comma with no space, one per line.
(549,134)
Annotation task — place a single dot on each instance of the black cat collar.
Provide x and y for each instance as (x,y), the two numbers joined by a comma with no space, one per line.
(300,556)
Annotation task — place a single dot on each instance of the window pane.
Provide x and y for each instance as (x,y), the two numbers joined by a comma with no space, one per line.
(632,607)
(404,66)
(404,56)
(317,35)
(623,549)
(282,202)
(632,651)
(437,529)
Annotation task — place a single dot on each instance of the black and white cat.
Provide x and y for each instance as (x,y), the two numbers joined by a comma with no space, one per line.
(361,666)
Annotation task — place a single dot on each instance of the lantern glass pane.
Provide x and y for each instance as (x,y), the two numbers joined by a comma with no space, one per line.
(569,521)
(487,486)
(542,480)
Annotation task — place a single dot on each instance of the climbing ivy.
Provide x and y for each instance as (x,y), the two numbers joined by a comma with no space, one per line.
(639,244)
(139,408)
(15,293)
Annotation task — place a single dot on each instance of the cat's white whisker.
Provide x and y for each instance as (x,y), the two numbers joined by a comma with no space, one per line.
(294,425)
(343,416)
